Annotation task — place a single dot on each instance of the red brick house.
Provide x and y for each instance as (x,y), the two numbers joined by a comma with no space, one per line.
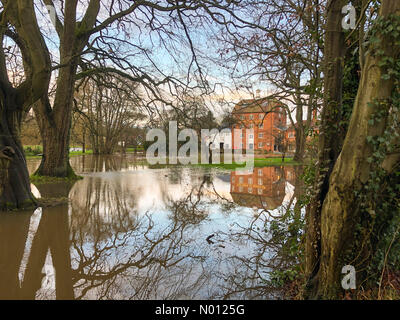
(266,117)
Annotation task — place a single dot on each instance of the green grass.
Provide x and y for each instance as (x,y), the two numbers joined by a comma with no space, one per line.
(71,177)
(274,159)
(132,150)
(33,152)
(32,157)
(228,166)
(258,162)
(36,179)
(80,153)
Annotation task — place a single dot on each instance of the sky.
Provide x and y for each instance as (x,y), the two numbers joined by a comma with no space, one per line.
(139,43)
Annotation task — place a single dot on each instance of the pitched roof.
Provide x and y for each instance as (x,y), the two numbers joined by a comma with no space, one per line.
(255,105)
(312,125)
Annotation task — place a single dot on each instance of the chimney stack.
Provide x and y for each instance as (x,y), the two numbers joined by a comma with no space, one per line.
(258,91)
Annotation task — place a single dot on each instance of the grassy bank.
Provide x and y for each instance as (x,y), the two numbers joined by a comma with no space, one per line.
(258,162)
(275,161)
(35,152)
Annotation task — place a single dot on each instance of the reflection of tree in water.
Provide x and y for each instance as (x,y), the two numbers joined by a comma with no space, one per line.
(190,208)
(102,203)
(138,264)
(106,163)
(141,260)
(174,175)
(100,163)
(101,248)
(13,235)
(272,239)
(123,256)
(22,276)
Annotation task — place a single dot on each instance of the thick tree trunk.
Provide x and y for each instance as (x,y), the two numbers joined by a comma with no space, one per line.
(55,121)
(18,21)
(55,160)
(329,146)
(341,207)
(15,190)
(55,127)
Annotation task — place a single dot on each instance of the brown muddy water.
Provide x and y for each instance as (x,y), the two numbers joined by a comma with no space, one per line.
(135,232)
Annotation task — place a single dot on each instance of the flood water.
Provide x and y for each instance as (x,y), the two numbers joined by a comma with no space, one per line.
(135,232)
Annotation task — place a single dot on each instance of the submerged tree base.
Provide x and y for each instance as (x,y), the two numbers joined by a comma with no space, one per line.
(62,171)
(33,205)
(27,205)
(39,179)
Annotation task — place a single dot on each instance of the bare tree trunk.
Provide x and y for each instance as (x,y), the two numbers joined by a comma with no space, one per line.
(299,130)
(329,148)
(15,190)
(55,125)
(84,141)
(300,143)
(55,135)
(55,122)
(335,223)
(341,207)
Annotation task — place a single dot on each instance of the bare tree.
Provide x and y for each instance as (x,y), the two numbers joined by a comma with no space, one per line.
(350,176)
(91,46)
(106,109)
(15,101)
(285,53)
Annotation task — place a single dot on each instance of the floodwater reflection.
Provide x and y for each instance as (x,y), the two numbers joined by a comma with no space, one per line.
(132,232)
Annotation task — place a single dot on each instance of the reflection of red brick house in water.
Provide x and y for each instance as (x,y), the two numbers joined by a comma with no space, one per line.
(264,188)
(266,117)
(290,175)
